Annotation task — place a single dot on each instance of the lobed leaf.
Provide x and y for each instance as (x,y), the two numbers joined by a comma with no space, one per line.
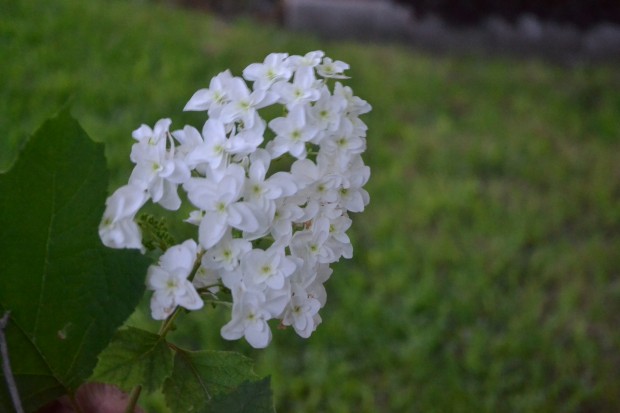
(201,377)
(67,293)
(135,357)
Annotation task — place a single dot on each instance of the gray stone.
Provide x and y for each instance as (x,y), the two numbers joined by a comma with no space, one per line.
(530,27)
(603,39)
(382,20)
(352,19)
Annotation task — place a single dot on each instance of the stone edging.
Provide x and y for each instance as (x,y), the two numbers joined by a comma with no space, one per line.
(381,20)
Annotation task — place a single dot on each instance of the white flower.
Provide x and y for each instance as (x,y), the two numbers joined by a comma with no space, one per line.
(267,268)
(292,134)
(244,103)
(311,246)
(304,66)
(274,68)
(157,170)
(213,98)
(189,138)
(245,139)
(226,253)
(251,311)
(219,201)
(152,137)
(117,228)
(169,281)
(249,320)
(302,91)
(301,313)
(262,190)
(327,112)
(353,196)
(316,288)
(356,106)
(316,180)
(343,144)
(287,212)
(332,69)
(213,147)
(338,240)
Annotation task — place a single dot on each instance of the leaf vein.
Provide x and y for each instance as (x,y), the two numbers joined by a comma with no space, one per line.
(43,358)
(196,373)
(79,349)
(46,264)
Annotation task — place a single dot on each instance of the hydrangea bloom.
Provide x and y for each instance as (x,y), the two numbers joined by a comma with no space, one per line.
(170,283)
(265,238)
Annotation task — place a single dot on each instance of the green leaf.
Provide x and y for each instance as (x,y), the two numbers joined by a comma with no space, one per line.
(198,377)
(67,293)
(135,357)
(249,397)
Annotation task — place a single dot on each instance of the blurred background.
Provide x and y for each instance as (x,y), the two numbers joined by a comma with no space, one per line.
(486,269)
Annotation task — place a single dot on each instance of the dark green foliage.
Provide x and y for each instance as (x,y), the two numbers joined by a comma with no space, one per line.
(135,358)
(209,380)
(192,381)
(249,397)
(67,293)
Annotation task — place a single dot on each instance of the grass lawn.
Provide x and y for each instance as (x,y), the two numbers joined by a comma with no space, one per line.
(486,269)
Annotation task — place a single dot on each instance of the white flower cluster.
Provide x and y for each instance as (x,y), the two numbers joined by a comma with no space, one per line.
(298,217)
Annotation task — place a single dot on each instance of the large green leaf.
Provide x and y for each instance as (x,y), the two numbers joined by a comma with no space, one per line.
(67,293)
(201,377)
(135,357)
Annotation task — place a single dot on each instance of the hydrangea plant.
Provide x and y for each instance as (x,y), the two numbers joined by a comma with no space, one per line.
(264,237)
(269,197)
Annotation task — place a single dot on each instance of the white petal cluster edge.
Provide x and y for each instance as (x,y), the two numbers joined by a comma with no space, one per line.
(267,237)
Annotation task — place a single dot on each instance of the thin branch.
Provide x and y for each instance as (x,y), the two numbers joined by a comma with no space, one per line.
(74,404)
(168,322)
(220,302)
(6,365)
(133,399)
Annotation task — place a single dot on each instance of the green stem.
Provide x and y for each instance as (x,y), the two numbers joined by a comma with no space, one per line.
(168,322)
(74,404)
(197,264)
(226,303)
(133,399)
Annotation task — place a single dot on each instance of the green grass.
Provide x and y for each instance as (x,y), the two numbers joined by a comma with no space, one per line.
(486,274)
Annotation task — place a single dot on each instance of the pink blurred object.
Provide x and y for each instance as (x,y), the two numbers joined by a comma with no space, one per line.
(92,398)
